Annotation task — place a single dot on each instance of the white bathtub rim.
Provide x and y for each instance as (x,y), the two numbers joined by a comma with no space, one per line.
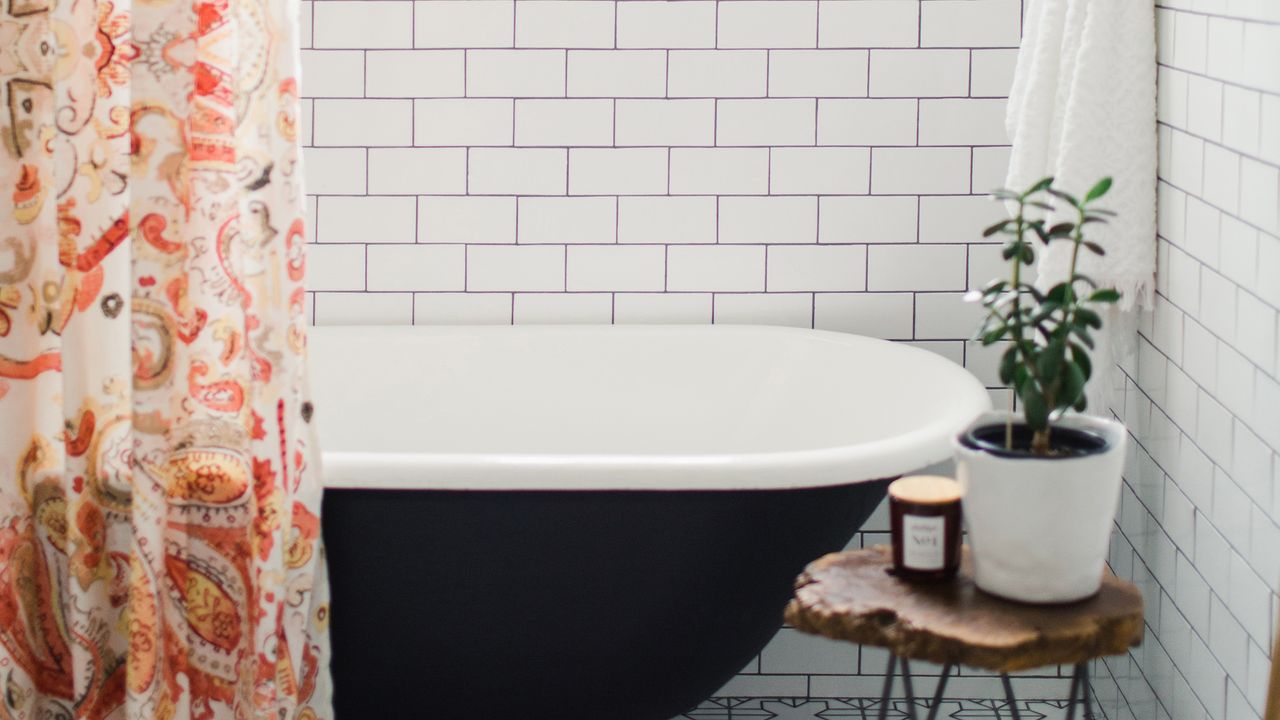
(822,467)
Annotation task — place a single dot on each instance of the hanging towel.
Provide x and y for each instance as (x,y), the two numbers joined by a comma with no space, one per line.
(1083,106)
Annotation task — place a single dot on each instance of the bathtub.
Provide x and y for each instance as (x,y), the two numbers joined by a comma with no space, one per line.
(595,522)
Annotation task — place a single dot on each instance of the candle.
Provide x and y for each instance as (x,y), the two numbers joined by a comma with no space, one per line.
(924,515)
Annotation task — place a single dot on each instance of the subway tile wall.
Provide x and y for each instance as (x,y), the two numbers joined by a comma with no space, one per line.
(798,162)
(1199,526)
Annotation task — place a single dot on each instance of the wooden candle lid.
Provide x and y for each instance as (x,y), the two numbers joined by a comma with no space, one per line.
(925,489)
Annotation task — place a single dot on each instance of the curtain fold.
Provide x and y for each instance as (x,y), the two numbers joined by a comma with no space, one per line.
(160,552)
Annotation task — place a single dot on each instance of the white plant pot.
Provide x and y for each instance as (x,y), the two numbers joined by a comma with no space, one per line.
(1039,527)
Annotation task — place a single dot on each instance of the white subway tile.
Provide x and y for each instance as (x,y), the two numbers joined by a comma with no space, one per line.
(916,267)
(717,73)
(990,167)
(305,32)
(334,171)
(666,123)
(867,122)
(662,308)
(467,220)
(562,309)
(355,308)
(617,268)
(957,219)
(767,23)
(970,23)
(1199,354)
(818,73)
(306,111)
(517,171)
(963,122)
(1269,145)
(471,308)
(564,122)
(1261,55)
(1190,42)
(417,267)
(867,219)
(1238,258)
(868,23)
(335,267)
(768,220)
(1222,166)
(667,220)
(414,73)
(919,73)
(1260,195)
(765,122)
(362,24)
(332,73)
(617,73)
(1171,96)
(515,73)
(824,170)
(1241,119)
(644,24)
(452,24)
(794,310)
(806,268)
(417,171)
(620,171)
(943,316)
(349,219)
(890,316)
(1202,235)
(1204,107)
(715,268)
(561,220)
(710,171)
(1225,52)
(463,122)
(366,123)
(535,268)
(922,171)
(991,72)
(1255,329)
(564,24)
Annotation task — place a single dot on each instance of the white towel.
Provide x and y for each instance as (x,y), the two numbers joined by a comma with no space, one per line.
(1083,106)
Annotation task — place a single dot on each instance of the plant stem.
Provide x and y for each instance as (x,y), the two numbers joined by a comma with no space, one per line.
(1017,319)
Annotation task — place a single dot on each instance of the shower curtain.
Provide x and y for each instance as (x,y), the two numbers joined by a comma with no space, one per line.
(160,547)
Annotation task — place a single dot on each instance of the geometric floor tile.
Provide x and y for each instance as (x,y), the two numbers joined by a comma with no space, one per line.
(758,708)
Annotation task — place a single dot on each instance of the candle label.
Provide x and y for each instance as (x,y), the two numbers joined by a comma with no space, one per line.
(923,542)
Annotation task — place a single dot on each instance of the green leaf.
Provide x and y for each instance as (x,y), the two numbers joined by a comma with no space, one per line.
(1084,336)
(1094,247)
(1041,205)
(1064,196)
(1008,362)
(1061,230)
(1033,406)
(1028,255)
(1003,194)
(1049,361)
(1098,190)
(1042,184)
(994,336)
(1072,385)
(1088,317)
(1010,251)
(1105,295)
(998,227)
(1081,358)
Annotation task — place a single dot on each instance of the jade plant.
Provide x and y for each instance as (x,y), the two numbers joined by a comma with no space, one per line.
(1049,333)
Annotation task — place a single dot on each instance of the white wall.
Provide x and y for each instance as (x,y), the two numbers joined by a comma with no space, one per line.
(1198,527)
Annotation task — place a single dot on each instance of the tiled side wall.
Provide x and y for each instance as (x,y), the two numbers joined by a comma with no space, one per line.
(1198,526)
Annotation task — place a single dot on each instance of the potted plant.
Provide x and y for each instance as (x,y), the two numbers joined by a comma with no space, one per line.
(1041,485)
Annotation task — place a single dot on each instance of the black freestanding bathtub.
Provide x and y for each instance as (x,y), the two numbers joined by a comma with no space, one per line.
(595,523)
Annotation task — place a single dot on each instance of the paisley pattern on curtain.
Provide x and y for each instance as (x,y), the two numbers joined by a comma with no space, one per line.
(160,549)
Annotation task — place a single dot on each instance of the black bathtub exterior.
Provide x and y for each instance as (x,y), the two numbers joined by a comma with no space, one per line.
(591,605)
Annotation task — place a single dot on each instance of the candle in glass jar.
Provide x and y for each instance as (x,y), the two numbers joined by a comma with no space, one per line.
(924,514)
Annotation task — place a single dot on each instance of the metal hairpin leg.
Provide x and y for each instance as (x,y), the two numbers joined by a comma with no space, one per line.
(1008,696)
(911,692)
(937,694)
(888,686)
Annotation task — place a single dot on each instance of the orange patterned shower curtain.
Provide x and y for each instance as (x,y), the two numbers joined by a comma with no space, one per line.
(160,547)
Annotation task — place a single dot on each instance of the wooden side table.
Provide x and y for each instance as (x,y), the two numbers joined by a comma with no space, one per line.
(853,596)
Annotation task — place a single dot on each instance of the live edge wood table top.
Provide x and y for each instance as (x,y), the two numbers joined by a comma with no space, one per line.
(852,596)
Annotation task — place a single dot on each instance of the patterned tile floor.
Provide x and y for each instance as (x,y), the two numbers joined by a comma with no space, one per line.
(868,709)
